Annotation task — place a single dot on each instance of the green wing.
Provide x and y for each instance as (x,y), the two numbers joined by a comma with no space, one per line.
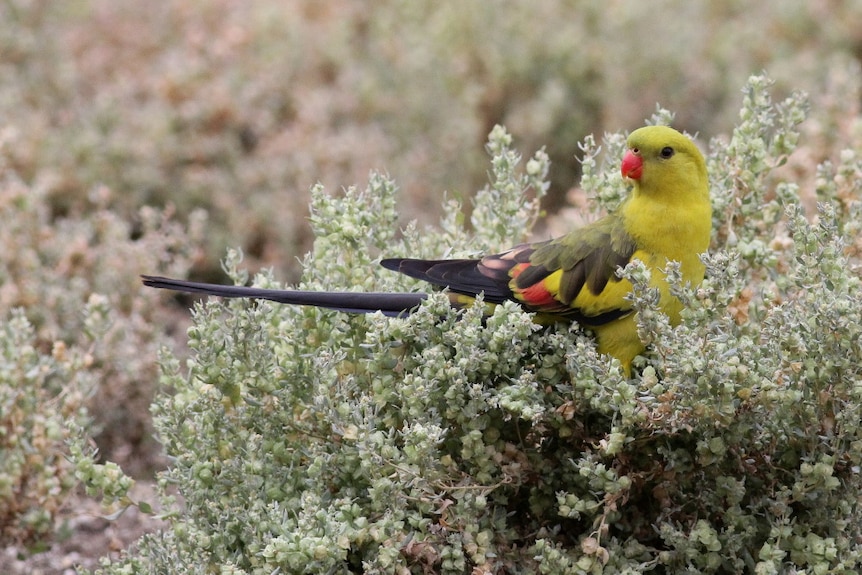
(528,273)
(559,270)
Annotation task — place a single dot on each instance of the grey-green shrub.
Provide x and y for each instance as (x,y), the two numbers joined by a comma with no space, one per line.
(308,441)
(78,344)
(42,395)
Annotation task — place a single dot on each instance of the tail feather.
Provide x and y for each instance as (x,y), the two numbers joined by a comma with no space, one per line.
(391,304)
(460,276)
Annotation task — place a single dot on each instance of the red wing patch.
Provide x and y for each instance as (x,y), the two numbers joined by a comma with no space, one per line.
(538,296)
(530,287)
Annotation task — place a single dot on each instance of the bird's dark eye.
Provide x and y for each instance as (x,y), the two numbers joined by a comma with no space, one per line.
(667,152)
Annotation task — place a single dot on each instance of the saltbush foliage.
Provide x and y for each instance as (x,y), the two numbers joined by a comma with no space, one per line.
(309,441)
(42,398)
(78,344)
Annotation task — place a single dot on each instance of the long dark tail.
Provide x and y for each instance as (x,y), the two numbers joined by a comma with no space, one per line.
(391,304)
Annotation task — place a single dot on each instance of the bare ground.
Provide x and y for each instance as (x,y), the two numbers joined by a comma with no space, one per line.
(90,537)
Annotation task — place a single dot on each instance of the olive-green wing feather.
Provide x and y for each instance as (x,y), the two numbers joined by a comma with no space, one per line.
(544,277)
(587,257)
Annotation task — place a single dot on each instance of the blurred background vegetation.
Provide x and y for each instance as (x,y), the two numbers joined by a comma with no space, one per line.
(238,108)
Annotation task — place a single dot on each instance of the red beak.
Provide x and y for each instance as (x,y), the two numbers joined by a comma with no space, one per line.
(632,166)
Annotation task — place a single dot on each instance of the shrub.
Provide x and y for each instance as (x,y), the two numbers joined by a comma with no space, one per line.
(311,441)
(42,395)
(77,338)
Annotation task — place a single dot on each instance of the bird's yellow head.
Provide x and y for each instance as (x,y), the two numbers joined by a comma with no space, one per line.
(663,162)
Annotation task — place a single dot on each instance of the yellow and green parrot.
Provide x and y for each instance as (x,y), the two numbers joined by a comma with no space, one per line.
(667,217)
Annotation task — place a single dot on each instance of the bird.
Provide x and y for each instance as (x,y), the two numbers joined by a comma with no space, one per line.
(666,217)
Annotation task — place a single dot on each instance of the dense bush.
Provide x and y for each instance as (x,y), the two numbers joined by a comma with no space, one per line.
(41,399)
(308,441)
(78,337)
